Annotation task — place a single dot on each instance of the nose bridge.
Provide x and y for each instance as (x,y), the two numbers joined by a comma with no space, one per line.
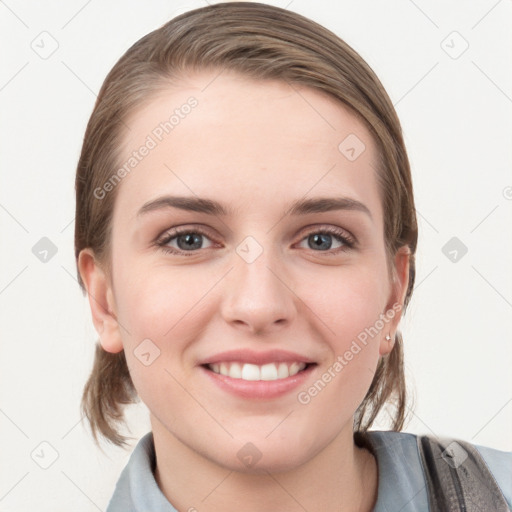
(253,270)
(255,294)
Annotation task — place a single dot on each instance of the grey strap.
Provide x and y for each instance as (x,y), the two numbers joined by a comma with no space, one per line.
(458,478)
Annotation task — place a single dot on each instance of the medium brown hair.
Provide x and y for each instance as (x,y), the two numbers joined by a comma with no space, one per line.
(261,42)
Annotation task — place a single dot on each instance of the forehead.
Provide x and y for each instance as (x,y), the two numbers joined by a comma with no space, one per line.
(235,139)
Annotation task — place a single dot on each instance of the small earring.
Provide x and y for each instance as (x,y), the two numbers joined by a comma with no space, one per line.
(388,338)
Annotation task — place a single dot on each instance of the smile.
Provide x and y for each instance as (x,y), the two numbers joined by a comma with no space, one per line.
(254,372)
(257,375)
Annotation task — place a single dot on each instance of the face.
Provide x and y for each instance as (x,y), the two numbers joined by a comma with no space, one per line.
(249,285)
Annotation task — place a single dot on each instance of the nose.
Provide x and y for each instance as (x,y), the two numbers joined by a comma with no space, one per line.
(257,297)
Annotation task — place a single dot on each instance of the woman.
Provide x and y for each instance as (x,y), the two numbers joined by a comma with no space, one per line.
(246,232)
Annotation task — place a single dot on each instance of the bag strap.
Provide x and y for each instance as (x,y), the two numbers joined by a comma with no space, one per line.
(458,479)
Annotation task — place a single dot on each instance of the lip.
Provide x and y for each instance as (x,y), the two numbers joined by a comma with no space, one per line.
(260,390)
(253,357)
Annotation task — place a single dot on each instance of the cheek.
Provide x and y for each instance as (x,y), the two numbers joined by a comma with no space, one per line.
(155,316)
(347,301)
(348,309)
(158,304)
(162,313)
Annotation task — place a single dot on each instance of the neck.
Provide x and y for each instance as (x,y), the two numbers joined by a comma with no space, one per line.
(342,477)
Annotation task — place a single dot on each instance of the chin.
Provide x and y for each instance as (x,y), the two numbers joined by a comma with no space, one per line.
(281,462)
(262,456)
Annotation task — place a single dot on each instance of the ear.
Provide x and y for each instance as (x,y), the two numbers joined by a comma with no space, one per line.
(395,305)
(101,301)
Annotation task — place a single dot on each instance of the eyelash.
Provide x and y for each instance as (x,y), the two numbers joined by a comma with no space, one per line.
(348,241)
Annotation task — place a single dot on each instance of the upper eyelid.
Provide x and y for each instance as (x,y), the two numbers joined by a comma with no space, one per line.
(172,233)
(180,230)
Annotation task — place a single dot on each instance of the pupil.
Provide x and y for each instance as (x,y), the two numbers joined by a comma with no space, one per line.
(322,239)
(191,241)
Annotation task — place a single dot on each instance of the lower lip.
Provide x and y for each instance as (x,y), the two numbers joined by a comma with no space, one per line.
(259,389)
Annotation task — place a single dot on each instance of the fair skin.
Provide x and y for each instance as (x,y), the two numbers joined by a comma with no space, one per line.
(255,147)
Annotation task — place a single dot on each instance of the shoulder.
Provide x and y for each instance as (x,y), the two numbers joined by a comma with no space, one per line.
(401,484)
(137,488)
(500,465)
(401,468)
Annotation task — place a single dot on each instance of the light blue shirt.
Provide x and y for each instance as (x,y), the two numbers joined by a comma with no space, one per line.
(401,486)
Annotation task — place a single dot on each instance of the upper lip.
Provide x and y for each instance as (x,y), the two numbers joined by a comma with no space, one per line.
(254,357)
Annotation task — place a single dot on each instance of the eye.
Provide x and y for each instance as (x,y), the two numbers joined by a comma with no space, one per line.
(184,240)
(322,240)
(187,241)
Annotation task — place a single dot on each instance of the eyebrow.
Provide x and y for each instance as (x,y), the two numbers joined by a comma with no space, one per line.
(211,207)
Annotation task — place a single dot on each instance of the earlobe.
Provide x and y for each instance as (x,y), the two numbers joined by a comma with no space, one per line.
(101,301)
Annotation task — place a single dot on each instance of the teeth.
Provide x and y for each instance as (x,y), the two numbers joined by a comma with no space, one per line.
(235,371)
(250,372)
(270,371)
(282,371)
(294,368)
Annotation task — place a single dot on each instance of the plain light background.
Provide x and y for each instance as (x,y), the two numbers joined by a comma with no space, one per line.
(446,67)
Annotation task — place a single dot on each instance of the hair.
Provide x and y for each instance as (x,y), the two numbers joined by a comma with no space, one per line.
(261,42)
